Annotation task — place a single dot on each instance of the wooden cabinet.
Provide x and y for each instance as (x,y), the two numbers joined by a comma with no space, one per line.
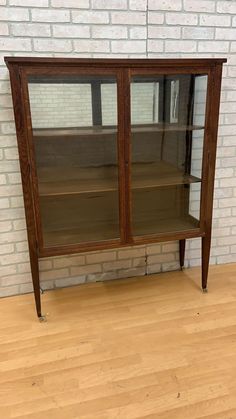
(115,152)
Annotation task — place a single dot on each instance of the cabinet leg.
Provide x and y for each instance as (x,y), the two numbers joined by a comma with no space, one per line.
(181,253)
(206,246)
(36,285)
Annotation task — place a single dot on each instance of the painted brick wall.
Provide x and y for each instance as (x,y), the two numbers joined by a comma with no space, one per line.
(114,28)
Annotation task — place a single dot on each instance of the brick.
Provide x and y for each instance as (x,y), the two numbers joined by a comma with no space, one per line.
(24,268)
(19,224)
(101,276)
(28,3)
(26,288)
(68,261)
(11,153)
(128,273)
(108,4)
(164,32)
(223,33)
(39,15)
(70,281)
(228,162)
(155,18)
(6,114)
(152,269)
(30,29)
(54,45)
(170,266)
(89,16)
(131,253)
(164,5)
(71,31)
(214,20)
(17,202)
(55,274)
(152,249)
(9,190)
(226,7)
(180,46)
(138,32)
(224,222)
(226,259)
(100,257)
(13,44)
(138,4)
(86,269)
(213,46)
(111,32)
(74,4)
(22,247)
(7,270)
(3,179)
(128,18)
(4,28)
(154,45)
(224,173)
(45,265)
(170,247)
(4,203)
(14,13)
(121,264)
(198,33)
(181,19)
(227,202)
(14,258)
(7,291)
(14,178)
(6,249)
(128,46)
(5,226)
(161,258)
(199,5)
(92,46)
(137,262)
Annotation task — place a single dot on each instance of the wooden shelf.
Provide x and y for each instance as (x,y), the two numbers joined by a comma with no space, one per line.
(88,232)
(44,133)
(71,181)
(108,231)
(152,226)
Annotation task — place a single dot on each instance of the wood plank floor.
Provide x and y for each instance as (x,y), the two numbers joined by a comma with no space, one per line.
(153,347)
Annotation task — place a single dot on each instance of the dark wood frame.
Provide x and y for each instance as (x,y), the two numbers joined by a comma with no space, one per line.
(21,67)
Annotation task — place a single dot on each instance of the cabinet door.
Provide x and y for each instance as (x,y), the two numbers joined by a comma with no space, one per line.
(75,139)
(167,135)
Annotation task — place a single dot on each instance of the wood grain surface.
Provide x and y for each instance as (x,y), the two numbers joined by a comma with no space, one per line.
(152,347)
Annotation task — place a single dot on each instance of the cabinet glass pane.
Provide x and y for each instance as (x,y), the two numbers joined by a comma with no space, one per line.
(167,131)
(74,122)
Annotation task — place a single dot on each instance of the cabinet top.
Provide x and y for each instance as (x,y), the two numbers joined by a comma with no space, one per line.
(115,62)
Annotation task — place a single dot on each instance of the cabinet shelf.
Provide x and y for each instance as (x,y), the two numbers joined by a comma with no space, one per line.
(144,176)
(44,133)
(104,231)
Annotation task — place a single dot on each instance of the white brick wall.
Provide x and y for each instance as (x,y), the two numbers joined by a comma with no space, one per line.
(114,28)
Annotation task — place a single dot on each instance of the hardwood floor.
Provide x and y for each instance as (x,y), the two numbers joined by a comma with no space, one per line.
(154,347)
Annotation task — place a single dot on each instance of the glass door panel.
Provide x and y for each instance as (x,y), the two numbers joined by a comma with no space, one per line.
(74,127)
(167,131)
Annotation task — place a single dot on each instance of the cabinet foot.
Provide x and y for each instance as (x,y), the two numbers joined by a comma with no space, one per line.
(205,290)
(42,318)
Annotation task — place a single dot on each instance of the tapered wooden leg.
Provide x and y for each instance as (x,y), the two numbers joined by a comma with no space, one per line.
(181,252)
(206,246)
(35,277)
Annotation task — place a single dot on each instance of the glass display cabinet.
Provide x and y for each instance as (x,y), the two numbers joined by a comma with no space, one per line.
(115,152)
